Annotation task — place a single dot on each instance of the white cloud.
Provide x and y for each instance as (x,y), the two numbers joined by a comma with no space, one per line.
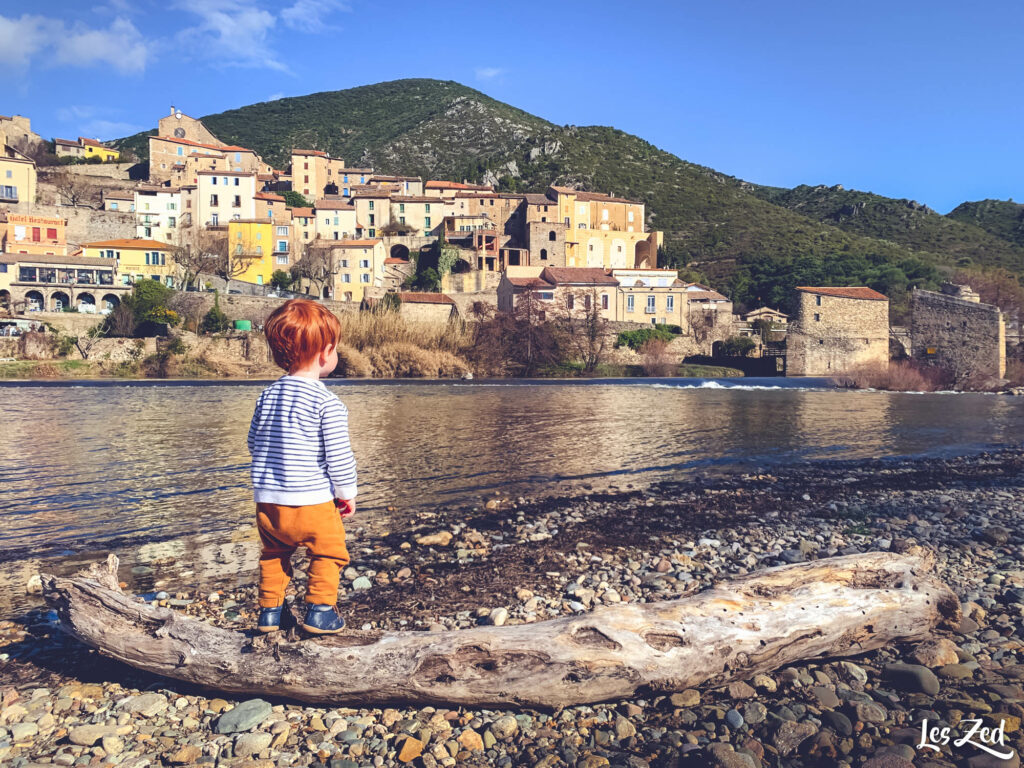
(120,46)
(311,15)
(230,33)
(488,73)
(275,96)
(94,123)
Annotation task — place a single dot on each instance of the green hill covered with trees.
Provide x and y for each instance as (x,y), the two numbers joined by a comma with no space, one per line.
(754,243)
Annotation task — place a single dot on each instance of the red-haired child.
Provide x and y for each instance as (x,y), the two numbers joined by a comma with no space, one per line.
(303,470)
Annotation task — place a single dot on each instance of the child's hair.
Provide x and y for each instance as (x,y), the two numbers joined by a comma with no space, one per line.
(299,330)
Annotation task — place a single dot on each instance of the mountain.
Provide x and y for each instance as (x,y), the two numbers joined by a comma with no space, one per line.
(1001,218)
(905,222)
(752,242)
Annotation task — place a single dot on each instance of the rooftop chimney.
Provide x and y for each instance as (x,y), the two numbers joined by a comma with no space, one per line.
(172,110)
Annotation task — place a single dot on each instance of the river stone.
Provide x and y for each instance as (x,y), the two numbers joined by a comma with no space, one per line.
(87,735)
(838,722)
(112,745)
(685,699)
(249,744)
(439,539)
(826,696)
(624,729)
(23,731)
(740,690)
(888,760)
(724,756)
(935,653)
(791,735)
(498,617)
(471,740)
(734,719)
(853,671)
(912,678)
(243,717)
(411,749)
(869,712)
(361,583)
(504,727)
(991,761)
(956,671)
(146,704)
(754,712)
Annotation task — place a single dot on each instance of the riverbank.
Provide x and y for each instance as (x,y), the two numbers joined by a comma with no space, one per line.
(559,556)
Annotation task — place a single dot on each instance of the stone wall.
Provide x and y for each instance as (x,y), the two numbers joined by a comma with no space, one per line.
(962,335)
(836,335)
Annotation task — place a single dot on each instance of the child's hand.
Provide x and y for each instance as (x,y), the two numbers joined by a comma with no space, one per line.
(346,507)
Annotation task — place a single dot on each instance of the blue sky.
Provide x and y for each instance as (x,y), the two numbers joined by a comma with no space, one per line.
(908,99)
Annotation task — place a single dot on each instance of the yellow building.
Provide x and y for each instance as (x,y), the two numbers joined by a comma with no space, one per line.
(137,259)
(604,231)
(85,148)
(357,265)
(17,177)
(251,243)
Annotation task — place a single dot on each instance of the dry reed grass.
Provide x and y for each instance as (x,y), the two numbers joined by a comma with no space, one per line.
(898,376)
(386,345)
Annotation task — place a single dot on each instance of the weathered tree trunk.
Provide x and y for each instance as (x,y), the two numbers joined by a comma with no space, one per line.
(834,607)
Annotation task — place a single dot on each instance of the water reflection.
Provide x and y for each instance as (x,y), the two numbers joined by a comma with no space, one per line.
(159,474)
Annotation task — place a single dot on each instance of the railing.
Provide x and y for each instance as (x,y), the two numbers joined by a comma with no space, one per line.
(650,311)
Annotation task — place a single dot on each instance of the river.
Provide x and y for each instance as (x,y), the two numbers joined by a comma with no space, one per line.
(157,471)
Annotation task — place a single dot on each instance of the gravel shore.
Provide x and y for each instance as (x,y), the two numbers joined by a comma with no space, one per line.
(521,560)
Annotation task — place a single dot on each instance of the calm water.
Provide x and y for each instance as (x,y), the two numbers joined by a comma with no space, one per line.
(158,472)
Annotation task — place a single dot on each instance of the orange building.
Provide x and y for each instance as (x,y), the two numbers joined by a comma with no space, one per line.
(36,235)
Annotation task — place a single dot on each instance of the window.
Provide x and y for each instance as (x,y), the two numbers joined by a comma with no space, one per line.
(345,192)
(566,224)
(546,295)
(604,301)
(582,225)
(36,234)
(259,279)
(51,233)
(181,151)
(305,179)
(817,301)
(590,247)
(371,205)
(651,303)
(629,216)
(586,302)
(401,208)
(426,208)
(371,219)
(345,179)
(604,214)
(282,231)
(543,254)
(344,263)
(113,206)
(213,181)
(282,246)
(172,207)
(172,222)
(629,303)
(214,219)
(670,303)
(237,202)
(364,263)
(427,222)
(364,278)
(214,200)
(373,233)
(282,259)
(238,157)
(401,219)
(346,278)
(552,236)
(817,317)
(336,235)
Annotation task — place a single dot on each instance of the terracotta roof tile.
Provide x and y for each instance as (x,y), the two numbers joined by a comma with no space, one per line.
(393,260)
(223,148)
(367,243)
(529,282)
(268,196)
(457,185)
(135,243)
(343,204)
(852,292)
(302,212)
(578,275)
(314,152)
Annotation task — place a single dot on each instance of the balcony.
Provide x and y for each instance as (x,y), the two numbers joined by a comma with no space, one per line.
(650,310)
(8,195)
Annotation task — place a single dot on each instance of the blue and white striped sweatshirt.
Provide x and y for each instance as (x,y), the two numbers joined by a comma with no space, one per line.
(299,445)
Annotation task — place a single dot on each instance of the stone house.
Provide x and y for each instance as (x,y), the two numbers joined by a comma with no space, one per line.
(44,282)
(954,330)
(18,177)
(427,307)
(836,329)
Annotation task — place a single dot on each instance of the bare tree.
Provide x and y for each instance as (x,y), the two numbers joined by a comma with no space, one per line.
(702,324)
(532,343)
(581,330)
(200,251)
(76,190)
(316,267)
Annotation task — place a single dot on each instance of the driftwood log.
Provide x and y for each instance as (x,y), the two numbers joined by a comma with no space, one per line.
(833,607)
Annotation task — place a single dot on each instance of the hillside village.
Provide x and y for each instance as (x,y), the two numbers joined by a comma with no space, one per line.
(206,215)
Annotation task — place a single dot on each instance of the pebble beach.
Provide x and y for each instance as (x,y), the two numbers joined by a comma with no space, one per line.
(519,560)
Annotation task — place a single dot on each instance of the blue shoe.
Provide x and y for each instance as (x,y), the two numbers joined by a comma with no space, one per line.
(270,619)
(323,620)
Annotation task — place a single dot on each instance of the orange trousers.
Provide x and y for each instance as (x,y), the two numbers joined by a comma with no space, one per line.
(316,527)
